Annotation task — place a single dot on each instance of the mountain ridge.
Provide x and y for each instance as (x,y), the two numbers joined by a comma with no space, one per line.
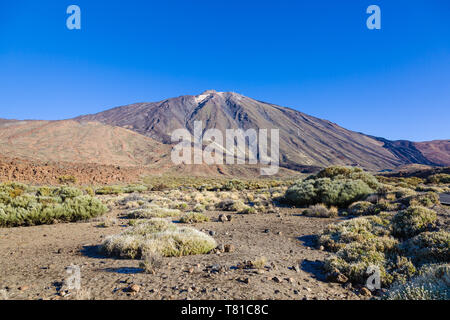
(140,135)
(304,140)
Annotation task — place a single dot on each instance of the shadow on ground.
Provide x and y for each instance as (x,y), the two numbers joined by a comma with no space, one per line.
(93,252)
(315,268)
(308,240)
(125,270)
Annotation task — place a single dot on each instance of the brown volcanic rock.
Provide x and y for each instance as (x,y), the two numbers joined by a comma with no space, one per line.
(80,142)
(304,140)
(36,172)
(437,151)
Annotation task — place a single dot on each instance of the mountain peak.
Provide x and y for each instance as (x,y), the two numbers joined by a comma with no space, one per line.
(208,92)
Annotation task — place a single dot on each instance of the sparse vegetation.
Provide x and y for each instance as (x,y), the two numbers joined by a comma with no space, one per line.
(21,205)
(440,178)
(320,211)
(397,234)
(431,283)
(153,211)
(194,217)
(361,208)
(158,236)
(413,220)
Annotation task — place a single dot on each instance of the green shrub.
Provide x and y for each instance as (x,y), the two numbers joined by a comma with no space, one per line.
(109,190)
(412,221)
(320,211)
(194,217)
(431,283)
(135,188)
(28,211)
(336,236)
(426,200)
(67,179)
(248,210)
(428,247)
(233,185)
(158,236)
(67,192)
(199,208)
(360,208)
(231,205)
(352,173)
(403,193)
(440,178)
(153,211)
(339,192)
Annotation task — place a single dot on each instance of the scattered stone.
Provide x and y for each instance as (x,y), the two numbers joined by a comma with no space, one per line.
(223,218)
(365,292)
(134,288)
(277,280)
(290,280)
(280,233)
(244,280)
(24,288)
(337,277)
(229,217)
(266,230)
(321,248)
(212,233)
(229,248)
(220,248)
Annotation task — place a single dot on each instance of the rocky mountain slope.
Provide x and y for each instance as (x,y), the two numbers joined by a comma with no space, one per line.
(304,140)
(140,135)
(79,142)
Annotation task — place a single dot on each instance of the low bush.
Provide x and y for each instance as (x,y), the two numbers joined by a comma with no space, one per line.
(194,217)
(336,236)
(28,210)
(440,178)
(248,210)
(67,179)
(361,208)
(427,200)
(320,211)
(135,188)
(231,205)
(431,283)
(109,190)
(428,247)
(153,211)
(338,192)
(158,236)
(352,173)
(413,220)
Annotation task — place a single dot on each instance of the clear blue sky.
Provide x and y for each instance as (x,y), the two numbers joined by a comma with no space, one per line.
(314,56)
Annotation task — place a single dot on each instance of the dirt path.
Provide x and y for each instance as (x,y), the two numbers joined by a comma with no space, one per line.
(33,262)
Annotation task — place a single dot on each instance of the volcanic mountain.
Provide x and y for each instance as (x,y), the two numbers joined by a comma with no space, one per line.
(305,141)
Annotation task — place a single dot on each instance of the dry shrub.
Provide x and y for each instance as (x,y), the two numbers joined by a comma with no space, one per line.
(158,236)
